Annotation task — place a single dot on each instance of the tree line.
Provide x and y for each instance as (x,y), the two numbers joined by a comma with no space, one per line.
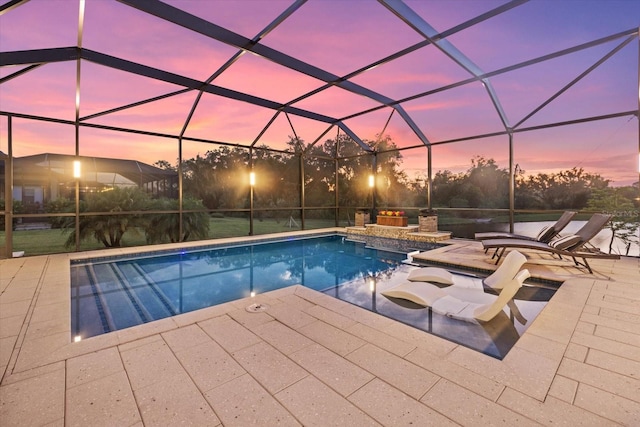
(218,180)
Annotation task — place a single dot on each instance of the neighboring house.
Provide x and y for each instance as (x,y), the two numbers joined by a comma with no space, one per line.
(40,178)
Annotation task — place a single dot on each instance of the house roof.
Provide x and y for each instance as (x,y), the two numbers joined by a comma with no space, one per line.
(133,170)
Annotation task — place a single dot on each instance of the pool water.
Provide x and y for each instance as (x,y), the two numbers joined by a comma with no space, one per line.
(117,293)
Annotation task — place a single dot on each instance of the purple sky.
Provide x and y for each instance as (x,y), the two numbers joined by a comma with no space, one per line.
(340,37)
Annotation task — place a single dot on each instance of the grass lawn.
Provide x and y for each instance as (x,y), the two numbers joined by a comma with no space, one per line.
(39,242)
(49,241)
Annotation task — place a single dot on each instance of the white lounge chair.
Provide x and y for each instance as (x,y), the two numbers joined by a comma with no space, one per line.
(503,274)
(476,312)
(469,305)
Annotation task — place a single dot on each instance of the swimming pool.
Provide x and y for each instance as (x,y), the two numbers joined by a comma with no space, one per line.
(117,293)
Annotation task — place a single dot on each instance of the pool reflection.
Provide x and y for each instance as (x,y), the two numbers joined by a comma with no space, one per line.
(116,294)
(494,338)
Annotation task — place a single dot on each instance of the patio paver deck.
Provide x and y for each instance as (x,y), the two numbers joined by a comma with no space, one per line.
(314,360)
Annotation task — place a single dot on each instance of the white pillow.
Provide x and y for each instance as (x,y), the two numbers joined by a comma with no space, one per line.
(545,234)
(565,242)
(431,274)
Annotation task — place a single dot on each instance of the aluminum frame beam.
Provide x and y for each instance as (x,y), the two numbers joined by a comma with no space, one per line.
(39,56)
(208,29)
(415,21)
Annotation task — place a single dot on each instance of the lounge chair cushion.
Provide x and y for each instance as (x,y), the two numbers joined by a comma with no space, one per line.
(423,294)
(431,274)
(565,242)
(545,234)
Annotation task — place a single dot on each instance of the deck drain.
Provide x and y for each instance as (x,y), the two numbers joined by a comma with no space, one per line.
(257,308)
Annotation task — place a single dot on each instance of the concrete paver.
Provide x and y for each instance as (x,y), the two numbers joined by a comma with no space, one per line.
(243,401)
(341,375)
(390,407)
(315,404)
(37,400)
(106,401)
(273,370)
(209,365)
(174,400)
(468,408)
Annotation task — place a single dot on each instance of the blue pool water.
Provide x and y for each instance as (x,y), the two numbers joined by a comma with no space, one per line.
(117,293)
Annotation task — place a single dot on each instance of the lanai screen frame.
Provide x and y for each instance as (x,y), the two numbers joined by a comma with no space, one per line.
(32,59)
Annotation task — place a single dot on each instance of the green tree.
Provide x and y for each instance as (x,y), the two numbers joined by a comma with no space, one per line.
(319,178)
(568,189)
(626,221)
(392,183)
(164,227)
(278,177)
(61,205)
(354,169)
(18,208)
(217,177)
(109,229)
(447,188)
(487,185)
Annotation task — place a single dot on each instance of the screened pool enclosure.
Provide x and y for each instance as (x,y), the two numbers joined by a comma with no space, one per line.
(136,122)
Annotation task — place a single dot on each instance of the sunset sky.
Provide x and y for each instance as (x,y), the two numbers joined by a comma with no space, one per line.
(339,37)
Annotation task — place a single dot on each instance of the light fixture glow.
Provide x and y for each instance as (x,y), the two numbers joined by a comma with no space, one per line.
(76,169)
(253,294)
(372,285)
(371,181)
(252,179)
(77,338)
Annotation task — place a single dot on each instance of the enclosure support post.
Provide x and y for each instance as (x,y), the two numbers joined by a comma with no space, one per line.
(8,191)
(77,118)
(335,179)
(77,189)
(180,187)
(374,169)
(301,170)
(638,119)
(512,183)
(429,176)
(250,193)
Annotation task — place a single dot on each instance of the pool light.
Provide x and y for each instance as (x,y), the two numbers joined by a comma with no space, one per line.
(77,338)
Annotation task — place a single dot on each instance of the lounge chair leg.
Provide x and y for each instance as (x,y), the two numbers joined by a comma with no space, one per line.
(584,263)
(500,255)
